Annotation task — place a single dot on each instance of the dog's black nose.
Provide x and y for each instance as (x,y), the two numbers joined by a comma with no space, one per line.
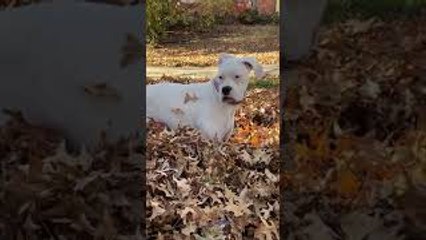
(226,90)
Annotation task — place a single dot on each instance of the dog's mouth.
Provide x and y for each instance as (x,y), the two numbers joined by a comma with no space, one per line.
(230,100)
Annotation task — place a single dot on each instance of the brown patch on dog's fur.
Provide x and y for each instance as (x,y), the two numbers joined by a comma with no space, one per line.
(101,90)
(178,111)
(188,98)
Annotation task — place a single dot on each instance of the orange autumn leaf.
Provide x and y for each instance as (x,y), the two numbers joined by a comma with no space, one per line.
(347,183)
(345,143)
(321,142)
(255,141)
(389,172)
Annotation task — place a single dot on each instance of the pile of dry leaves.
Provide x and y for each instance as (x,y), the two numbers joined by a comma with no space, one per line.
(197,189)
(46,193)
(359,150)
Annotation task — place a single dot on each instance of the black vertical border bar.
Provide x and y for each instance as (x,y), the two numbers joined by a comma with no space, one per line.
(283,129)
(286,128)
(143,111)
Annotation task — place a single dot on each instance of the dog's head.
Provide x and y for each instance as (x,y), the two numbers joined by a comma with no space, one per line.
(232,78)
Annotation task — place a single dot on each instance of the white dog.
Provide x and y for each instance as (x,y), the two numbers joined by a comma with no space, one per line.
(208,106)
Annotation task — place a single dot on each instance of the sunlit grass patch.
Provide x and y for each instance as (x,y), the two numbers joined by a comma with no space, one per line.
(267,83)
(260,41)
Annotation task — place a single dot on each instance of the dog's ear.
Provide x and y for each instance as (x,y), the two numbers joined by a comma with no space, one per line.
(252,64)
(224,56)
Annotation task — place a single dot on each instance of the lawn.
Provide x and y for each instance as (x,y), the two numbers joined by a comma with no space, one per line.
(201,50)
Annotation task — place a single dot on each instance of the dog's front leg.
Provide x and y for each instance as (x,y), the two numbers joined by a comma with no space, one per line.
(209,131)
(218,136)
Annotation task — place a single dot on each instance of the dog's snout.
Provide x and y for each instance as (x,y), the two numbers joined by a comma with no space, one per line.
(226,90)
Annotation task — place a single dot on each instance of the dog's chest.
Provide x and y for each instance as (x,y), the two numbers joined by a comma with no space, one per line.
(216,121)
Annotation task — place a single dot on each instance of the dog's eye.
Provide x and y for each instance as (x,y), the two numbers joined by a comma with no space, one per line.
(237,76)
(220,77)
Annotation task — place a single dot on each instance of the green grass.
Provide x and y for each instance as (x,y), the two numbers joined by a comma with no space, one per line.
(265,83)
(339,10)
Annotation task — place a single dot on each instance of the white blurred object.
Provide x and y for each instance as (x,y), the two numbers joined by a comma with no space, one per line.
(60,66)
(301,19)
